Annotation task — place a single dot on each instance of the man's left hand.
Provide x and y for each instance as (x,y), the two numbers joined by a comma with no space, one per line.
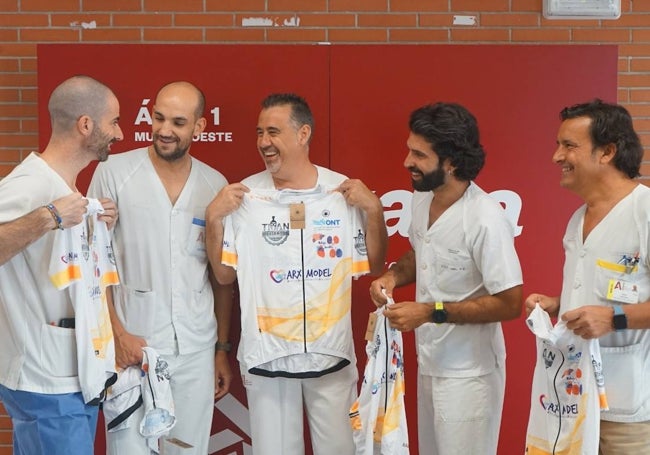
(590,321)
(405,316)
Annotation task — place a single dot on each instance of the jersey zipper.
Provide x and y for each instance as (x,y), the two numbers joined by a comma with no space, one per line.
(304,292)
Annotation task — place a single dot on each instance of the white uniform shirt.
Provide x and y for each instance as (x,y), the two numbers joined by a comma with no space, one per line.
(36,355)
(592,269)
(164,296)
(271,273)
(468,252)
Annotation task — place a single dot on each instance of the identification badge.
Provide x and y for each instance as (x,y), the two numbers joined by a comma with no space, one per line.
(297,216)
(622,291)
(196,241)
(370,330)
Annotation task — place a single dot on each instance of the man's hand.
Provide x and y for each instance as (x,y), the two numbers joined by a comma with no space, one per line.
(377,287)
(128,350)
(590,321)
(222,374)
(71,209)
(549,304)
(405,316)
(357,194)
(227,200)
(110,212)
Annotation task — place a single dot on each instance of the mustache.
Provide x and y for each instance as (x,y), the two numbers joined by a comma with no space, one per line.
(160,136)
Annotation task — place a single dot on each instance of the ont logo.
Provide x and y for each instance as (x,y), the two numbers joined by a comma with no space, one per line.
(227,442)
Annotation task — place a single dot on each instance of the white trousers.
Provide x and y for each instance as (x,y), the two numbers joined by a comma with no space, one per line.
(192,386)
(276,408)
(460,416)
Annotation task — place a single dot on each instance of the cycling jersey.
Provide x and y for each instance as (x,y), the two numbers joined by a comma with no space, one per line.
(295,278)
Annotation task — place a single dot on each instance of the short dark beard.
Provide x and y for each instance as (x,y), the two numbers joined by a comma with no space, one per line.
(176,155)
(101,143)
(430,181)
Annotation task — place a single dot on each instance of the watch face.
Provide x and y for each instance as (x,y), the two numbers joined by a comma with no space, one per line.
(620,322)
(439,316)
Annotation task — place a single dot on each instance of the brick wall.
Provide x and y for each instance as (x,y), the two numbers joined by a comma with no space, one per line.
(5,432)
(28,22)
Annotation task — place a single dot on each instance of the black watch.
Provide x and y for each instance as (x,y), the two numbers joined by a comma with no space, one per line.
(620,319)
(439,314)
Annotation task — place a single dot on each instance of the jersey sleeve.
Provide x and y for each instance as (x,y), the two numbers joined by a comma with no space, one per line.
(229,251)
(360,264)
(65,265)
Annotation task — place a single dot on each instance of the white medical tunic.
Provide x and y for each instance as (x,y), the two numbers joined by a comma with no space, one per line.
(467,252)
(165,295)
(595,273)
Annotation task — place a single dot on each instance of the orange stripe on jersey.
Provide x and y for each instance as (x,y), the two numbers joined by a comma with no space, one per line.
(64,277)
(360,267)
(109,278)
(229,258)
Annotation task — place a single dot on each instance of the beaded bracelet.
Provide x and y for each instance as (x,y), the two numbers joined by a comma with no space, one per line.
(55,215)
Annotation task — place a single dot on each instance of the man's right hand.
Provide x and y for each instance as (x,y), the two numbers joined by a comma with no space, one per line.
(128,350)
(549,304)
(71,209)
(384,282)
(227,200)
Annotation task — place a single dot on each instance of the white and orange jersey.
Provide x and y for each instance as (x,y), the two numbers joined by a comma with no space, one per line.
(295,253)
(83,263)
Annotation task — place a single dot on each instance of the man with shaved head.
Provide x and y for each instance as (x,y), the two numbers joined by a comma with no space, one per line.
(42,376)
(167,298)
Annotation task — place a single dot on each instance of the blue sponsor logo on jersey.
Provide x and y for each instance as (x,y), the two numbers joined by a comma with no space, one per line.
(324,222)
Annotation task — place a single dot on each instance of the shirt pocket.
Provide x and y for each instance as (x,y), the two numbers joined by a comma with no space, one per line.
(607,271)
(456,274)
(58,351)
(624,396)
(202,309)
(136,309)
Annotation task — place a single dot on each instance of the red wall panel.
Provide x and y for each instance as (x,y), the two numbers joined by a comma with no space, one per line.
(361,97)
(516,93)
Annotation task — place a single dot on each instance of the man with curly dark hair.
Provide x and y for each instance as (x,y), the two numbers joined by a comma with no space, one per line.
(468,279)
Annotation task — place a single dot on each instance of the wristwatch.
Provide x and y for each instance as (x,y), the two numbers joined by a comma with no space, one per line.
(219,346)
(439,314)
(620,319)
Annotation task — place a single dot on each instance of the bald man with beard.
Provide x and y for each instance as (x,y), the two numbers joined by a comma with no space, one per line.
(167,298)
(40,373)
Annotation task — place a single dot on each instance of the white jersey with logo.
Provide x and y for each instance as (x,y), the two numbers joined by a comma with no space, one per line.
(295,283)
(568,391)
(83,263)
